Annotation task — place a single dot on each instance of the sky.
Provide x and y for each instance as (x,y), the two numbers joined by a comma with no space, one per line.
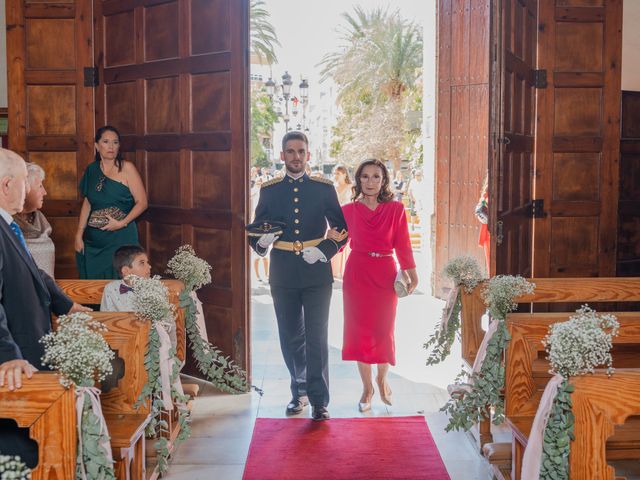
(307,30)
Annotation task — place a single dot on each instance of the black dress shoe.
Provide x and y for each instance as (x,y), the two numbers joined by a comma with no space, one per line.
(296,405)
(320,413)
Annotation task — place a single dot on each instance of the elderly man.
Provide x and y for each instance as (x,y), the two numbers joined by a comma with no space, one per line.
(27,297)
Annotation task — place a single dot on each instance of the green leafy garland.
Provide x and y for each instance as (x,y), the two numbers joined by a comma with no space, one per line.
(558,436)
(12,468)
(464,272)
(149,302)
(79,352)
(475,399)
(575,347)
(221,371)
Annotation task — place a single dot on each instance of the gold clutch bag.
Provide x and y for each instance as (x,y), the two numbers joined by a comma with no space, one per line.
(98,218)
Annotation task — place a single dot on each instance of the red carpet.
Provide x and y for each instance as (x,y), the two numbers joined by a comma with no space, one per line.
(385,448)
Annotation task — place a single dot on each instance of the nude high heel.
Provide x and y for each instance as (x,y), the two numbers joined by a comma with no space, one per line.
(365,406)
(385,393)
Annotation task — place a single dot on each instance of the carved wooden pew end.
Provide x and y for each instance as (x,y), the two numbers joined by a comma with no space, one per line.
(128,444)
(499,457)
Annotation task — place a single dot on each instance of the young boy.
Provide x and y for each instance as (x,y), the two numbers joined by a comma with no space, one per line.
(127,260)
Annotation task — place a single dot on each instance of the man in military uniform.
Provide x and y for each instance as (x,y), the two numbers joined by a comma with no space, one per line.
(300,273)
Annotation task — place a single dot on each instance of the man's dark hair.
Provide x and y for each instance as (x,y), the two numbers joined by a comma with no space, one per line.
(125,255)
(294,135)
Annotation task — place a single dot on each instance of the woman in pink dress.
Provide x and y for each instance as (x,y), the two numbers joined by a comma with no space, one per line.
(377,228)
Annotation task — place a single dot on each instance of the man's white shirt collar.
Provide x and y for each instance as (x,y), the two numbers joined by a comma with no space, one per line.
(5,215)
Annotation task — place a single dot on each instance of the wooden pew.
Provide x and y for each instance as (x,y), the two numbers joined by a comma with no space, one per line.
(527,375)
(48,410)
(89,292)
(128,337)
(550,291)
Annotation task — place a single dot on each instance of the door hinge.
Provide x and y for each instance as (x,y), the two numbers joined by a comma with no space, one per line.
(499,232)
(91,78)
(536,209)
(539,78)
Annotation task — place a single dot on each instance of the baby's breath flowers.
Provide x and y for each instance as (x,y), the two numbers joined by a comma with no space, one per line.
(575,347)
(193,271)
(12,468)
(502,290)
(82,357)
(78,350)
(464,271)
(151,303)
(582,343)
(465,274)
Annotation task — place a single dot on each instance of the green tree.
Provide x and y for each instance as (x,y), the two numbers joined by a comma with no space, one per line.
(263,116)
(263,35)
(375,69)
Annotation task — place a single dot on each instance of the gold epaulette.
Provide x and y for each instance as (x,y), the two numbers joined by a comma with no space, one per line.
(321,180)
(273,181)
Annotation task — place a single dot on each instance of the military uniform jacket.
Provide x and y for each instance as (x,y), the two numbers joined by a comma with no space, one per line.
(305,205)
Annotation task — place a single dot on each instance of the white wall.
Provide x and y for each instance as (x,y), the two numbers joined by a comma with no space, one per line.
(630,45)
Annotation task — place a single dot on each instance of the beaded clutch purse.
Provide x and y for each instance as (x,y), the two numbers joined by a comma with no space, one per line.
(98,218)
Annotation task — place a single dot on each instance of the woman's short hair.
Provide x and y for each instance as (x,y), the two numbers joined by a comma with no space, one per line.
(385,195)
(342,169)
(34,171)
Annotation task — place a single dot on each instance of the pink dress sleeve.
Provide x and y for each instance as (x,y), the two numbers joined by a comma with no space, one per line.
(401,240)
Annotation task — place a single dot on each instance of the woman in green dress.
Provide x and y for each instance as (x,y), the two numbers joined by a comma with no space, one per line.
(114,196)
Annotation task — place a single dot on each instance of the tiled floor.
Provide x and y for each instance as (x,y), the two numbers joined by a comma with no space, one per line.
(222,424)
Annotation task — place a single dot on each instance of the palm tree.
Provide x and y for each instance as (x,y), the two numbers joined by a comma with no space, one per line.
(380,56)
(380,59)
(263,35)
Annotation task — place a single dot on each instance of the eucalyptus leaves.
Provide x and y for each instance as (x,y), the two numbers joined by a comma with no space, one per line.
(12,468)
(79,352)
(151,303)
(194,272)
(575,347)
(465,273)
(474,399)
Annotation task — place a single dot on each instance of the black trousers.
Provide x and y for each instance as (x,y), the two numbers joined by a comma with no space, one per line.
(16,441)
(303,323)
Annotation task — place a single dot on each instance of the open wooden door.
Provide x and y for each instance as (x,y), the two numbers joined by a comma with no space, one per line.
(462,145)
(51,109)
(578,138)
(511,186)
(174,81)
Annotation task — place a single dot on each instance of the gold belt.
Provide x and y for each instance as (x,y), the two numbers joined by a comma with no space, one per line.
(296,246)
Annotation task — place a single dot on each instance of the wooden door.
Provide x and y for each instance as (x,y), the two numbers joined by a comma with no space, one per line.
(462,145)
(51,111)
(174,79)
(578,137)
(511,186)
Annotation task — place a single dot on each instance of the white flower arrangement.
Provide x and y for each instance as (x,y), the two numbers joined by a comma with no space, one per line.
(151,300)
(193,271)
(464,271)
(151,303)
(575,347)
(78,350)
(221,371)
(82,357)
(12,468)
(502,290)
(582,343)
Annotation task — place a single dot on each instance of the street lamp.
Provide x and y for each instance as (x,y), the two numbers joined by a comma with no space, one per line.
(304,90)
(285,87)
(271,87)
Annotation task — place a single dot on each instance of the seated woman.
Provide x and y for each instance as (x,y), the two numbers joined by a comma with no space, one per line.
(35,227)
(114,196)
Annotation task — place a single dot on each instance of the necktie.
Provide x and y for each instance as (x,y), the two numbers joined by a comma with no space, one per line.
(16,229)
(125,288)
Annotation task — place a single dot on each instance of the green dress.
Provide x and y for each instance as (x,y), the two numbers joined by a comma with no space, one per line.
(100,245)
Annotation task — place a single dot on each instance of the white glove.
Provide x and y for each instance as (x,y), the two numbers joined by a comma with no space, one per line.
(267,239)
(312,255)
